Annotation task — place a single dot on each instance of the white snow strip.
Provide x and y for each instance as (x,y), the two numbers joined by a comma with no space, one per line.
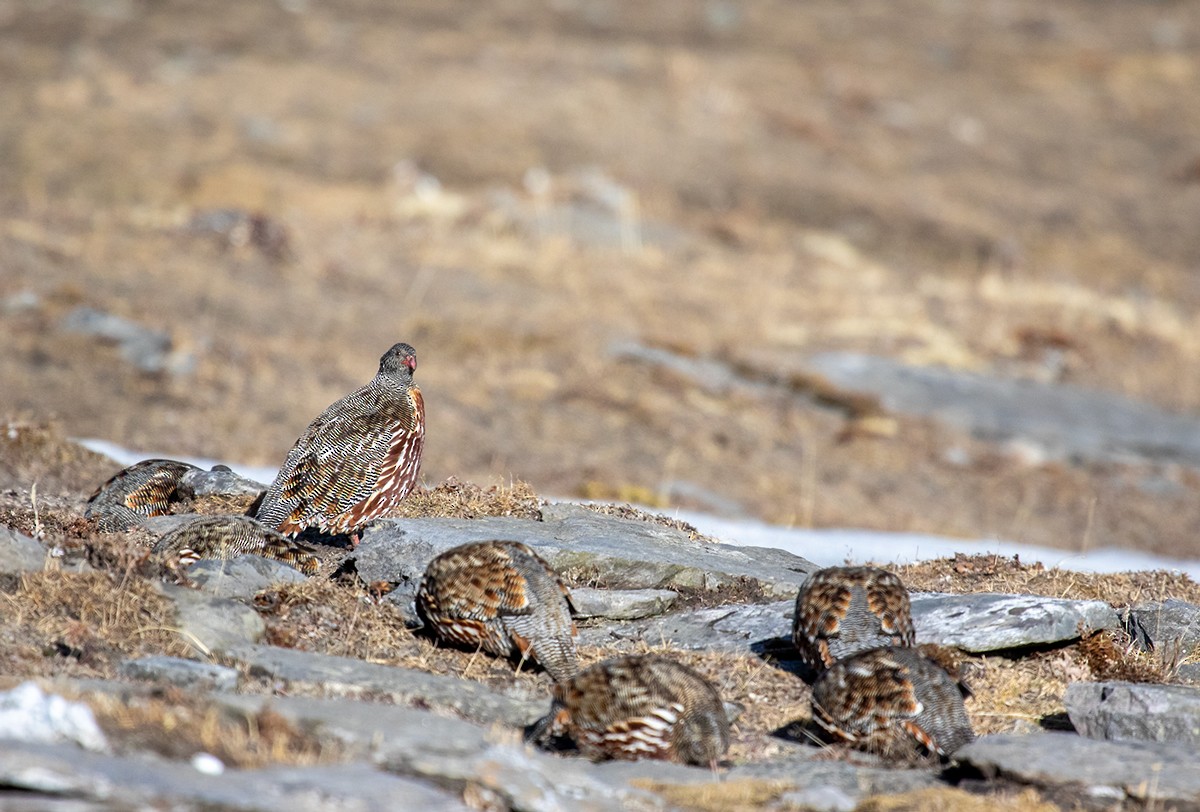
(124,457)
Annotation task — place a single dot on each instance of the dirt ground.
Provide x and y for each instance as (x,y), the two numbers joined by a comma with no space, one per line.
(1010,187)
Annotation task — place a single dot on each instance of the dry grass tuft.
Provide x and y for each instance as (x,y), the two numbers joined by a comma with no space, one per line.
(718,795)
(88,619)
(466,500)
(177,725)
(994,573)
(341,619)
(634,514)
(1112,655)
(948,799)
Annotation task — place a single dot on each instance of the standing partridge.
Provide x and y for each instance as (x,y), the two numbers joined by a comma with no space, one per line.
(636,707)
(500,596)
(225,537)
(357,459)
(146,488)
(841,611)
(892,701)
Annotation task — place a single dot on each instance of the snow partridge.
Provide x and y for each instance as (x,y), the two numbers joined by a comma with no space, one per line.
(841,611)
(640,706)
(500,596)
(357,459)
(146,488)
(225,537)
(893,701)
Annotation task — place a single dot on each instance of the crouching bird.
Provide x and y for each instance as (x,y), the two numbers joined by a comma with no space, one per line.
(638,706)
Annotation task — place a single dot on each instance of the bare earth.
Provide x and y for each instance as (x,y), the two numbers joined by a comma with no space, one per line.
(1010,187)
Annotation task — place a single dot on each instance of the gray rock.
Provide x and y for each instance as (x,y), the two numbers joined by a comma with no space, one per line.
(220,481)
(1172,626)
(621,604)
(1065,420)
(818,799)
(159,526)
(138,781)
(1123,711)
(146,349)
(994,622)
(28,714)
(737,627)
(586,546)
(213,625)
(242,577)
(352,677)
(181,672)
(19,552)
(1111,772)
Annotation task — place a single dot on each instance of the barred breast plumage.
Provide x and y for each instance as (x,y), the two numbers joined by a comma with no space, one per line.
(635,707)
(357,459)
(225,537)
(841,611)
(894,701)
(146,488)
(500,596)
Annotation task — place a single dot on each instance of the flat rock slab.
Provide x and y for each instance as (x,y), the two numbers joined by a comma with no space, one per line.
(1124,711)
(737,627)
(138,781)
(986,622)
(19,552)
(452,753)
(1103,771)
(1067,421)
(621,604)
(974,623)
(220,481)
(351,676)
(181,672)
(587,547)
(243,577)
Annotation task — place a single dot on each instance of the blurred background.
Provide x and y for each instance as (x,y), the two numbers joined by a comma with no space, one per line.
(924,266)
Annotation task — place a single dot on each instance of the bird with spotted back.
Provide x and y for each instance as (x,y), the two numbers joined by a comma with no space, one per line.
(638,706)
(356,460)
(144,489)
(894,701)
(841,611)
(503,598)
(226,537)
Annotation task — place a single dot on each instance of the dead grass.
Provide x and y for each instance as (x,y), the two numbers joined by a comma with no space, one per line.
(948,799)
(466,500)
(85,622)
(178,725)
(991,573)
(742,795)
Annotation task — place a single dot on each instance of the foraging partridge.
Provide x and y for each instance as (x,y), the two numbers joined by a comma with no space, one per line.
(889,700)
(841,611)
(500,596)
(640,706)
(225,537)
(357,459)
(146,488)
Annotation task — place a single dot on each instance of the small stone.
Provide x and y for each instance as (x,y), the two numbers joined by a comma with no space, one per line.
(19,552)
(208,764)
(181,672)
(212,625)
(220,481)
(1171,627)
